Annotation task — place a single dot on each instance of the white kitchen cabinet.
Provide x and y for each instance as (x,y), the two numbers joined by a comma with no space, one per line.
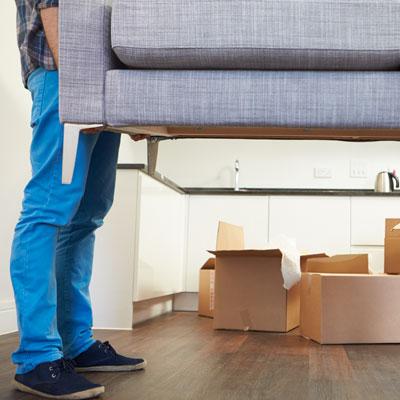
(318,223)
(205,212)
(111,286)
(368,216)
(155,239)
(160,240)
(139,252)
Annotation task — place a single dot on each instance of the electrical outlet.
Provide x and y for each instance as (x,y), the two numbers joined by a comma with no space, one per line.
(322,172)
(358,169)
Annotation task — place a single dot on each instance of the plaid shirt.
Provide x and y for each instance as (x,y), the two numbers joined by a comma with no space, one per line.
(32,43)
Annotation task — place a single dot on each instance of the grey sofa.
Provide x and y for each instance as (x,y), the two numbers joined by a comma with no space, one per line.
(306,69)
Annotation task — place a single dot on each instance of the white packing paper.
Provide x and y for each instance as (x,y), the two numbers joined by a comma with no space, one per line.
(291,271)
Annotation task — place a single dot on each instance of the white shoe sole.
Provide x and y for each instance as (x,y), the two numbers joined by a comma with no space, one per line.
(112,368)
(85,394)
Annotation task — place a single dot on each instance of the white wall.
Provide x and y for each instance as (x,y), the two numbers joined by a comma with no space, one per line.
(266,163)
(14,154)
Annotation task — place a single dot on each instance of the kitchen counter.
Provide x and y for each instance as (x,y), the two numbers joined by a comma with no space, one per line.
(258,191)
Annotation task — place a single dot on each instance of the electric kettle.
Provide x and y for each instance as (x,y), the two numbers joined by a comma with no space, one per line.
(384,181)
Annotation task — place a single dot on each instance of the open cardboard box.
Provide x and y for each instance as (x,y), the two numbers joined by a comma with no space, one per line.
(249,292)
(392,246)
(206,288)
(341,302)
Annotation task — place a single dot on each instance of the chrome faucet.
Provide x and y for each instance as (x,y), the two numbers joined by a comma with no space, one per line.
(237,175)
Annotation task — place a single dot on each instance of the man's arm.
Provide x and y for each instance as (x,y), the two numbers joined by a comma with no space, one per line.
(50,23)
(49,17)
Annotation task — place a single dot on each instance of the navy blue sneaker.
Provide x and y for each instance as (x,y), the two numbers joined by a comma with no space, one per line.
(57,380)
(101,357)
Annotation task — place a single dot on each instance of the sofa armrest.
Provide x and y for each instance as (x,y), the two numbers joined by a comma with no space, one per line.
(85,55)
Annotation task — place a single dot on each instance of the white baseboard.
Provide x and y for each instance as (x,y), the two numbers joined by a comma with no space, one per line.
(111,329)
(142,310)
(186,301)
(7,305)
(8,321)
(148,309)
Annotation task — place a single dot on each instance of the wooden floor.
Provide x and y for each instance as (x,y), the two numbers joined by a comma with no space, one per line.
(187,359)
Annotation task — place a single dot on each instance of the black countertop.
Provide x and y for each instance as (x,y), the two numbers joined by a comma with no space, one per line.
(258,191)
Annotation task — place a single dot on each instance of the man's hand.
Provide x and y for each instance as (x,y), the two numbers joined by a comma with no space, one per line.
(92,130)
(136,138)
(50,24)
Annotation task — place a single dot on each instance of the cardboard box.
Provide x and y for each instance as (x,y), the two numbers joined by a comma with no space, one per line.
(339,308)
(228,237)
(340,264)
(304,260)
(249,293)
(206,288)
(392,246)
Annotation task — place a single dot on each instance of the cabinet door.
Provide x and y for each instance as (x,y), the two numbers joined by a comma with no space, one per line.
(112,281)
(205,212)
(368,216)
(318,223)
(159,240)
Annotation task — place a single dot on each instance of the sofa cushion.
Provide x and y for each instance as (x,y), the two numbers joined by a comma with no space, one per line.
(319,99)
(257,34)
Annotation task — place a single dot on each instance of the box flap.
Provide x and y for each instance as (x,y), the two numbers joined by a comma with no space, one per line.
(311,306)
(340,264)
(305,257)
(260,253)
(392,228)
(209,264)
(230,237)
(333,274)
(392,255)
(247,253)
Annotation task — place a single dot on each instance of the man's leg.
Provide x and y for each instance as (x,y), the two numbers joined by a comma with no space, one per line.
(76,244)
(74,267)
(47,206)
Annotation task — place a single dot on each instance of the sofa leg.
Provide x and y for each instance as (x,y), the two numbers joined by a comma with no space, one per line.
(70,147)
(152,152)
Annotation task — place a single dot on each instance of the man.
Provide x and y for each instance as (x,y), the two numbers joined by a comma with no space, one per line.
(52,251)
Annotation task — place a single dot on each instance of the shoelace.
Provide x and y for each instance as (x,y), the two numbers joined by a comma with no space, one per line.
(107,347)
(63,364)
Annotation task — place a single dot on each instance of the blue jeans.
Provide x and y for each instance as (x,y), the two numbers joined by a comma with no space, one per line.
(52,250)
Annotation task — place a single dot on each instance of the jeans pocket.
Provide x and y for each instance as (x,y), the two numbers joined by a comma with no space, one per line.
(36,85)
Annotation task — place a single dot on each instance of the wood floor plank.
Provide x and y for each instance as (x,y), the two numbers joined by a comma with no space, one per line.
(188,360)
(330,363)
(376,370)
(285,376)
